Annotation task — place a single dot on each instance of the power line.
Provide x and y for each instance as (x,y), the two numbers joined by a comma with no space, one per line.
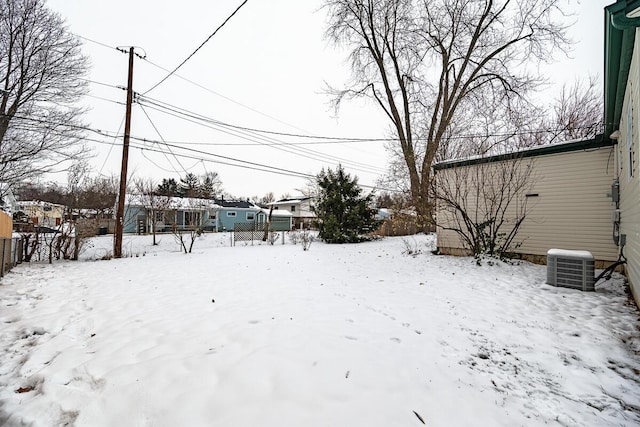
(198,48)
(459,136)
(113,143)
(158,132)
(227,98)
(279,145)
(336,139)
(102,84)
(105,99)
(278,133)
(96,42)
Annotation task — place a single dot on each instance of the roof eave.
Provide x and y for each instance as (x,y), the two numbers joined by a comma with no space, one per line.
(586,144)
(619,40)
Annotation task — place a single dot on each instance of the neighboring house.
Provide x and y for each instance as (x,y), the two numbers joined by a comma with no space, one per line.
(167,213)
(187,213)
(230,212)
(42,214)
(622,103)
(567,201)
(281,220)
(301,209)
(8,202)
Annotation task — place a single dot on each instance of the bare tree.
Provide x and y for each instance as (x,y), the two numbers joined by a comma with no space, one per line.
(157,205)
(426,63)
(576,113)
(41,66)
(186,234)
(99,195)
(485,203)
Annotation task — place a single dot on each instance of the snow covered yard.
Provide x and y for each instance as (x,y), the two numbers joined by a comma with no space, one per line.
(340,335)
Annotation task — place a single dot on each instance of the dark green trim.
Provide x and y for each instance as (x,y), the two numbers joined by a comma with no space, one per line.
(587,144)
(619,40)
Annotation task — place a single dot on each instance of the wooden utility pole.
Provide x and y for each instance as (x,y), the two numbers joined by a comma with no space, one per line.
(117,241)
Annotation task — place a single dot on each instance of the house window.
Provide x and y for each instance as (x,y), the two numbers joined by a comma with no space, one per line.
(159,216)
(293,208)
(631,153)
(250,216)
(231,213)
(192,218)
(47,208)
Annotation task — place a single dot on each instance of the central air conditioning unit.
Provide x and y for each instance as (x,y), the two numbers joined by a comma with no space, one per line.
(571,269)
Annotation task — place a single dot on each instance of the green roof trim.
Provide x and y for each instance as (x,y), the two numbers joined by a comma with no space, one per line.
(566,147)
(619,39)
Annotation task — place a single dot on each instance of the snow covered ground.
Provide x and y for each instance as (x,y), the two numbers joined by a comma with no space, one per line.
(340,335)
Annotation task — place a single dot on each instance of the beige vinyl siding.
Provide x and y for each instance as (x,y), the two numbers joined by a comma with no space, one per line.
(630,187)
(572,210)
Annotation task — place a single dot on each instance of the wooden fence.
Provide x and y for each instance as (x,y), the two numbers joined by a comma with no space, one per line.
(6,225)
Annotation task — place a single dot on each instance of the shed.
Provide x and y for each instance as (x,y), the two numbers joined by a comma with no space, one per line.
(568,201)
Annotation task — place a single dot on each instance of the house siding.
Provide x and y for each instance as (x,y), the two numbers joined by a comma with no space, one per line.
(630,185)
(227,223)
(572,209)
(300,209)
(43,213)
(131,215)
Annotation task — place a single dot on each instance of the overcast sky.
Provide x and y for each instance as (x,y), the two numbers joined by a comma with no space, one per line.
(266,69)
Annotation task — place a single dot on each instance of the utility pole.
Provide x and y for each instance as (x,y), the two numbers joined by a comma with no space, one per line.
(117,241)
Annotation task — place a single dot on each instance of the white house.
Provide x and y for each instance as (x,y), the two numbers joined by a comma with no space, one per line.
(301,209)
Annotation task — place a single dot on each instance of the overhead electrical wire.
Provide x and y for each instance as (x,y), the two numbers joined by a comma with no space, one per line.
(105,99)
(240,163)
(106,133)
(280,146)
(320,137)
(162,139)
(277,133)
(253,136)
(95,41)
(113,143)
(103,84)
(192,150)
(194,83)
(198,48)
(227,98)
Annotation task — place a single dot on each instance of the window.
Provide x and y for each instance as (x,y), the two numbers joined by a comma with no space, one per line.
(231,213)
(47,208)
(293,208)
(631,153)
(250,216)
(192,218)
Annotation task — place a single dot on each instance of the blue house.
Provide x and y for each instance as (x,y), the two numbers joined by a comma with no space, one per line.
(228,213)
(144,213)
